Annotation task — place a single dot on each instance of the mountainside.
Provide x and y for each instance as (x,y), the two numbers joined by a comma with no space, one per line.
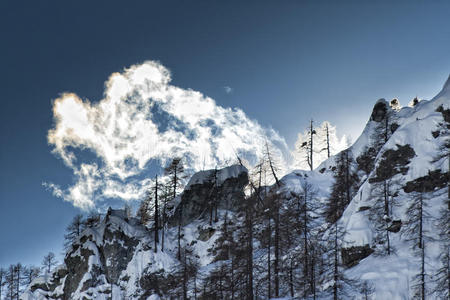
(385,200)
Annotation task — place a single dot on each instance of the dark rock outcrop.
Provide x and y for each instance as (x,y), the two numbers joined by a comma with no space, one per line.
(353,255)
(208,190)
(428,183)
(393,162)
(395,226)
(379,111)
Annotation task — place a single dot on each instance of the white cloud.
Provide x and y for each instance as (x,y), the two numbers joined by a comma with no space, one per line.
(143,118)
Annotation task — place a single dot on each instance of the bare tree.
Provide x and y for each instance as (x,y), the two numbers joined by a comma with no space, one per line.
(175,171)
(2,280)
(143,209)
(48,262)
(73,231)
(29,274)
(417,234)
(156,215)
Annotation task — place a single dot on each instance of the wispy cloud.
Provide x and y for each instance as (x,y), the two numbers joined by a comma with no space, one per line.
(141,119)
(228,89)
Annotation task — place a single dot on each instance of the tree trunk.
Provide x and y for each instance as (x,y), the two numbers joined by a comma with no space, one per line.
(328,141)
(156,215)
(311,145)
(347,177)
(336,270)
(250,252)
(277,248)
(179,231)
(269,281)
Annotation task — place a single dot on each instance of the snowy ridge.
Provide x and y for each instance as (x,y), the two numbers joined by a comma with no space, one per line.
(221,175)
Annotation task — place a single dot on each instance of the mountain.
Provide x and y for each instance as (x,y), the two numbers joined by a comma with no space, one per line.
(379,209)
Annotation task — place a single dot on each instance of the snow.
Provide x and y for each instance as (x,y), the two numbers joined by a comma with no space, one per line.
(391,275)
(222,175)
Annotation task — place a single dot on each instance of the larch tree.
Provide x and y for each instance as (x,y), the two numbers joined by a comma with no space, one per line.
(417,234)
(29,274)
(343,188)
(175,172)
(442,275)
(156,214)
(317,144)
(143,209)
(339,284)
(48,262)
(2,280)
(73,231)
(11,283)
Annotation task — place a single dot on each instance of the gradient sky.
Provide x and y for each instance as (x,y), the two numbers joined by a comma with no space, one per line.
(286,62)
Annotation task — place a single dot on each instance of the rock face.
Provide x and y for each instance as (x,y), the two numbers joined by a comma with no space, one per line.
(223,189)
(114,256)
(379,111)
(95,261)
(393,162)
(434,180)
(395,226)
(353,255)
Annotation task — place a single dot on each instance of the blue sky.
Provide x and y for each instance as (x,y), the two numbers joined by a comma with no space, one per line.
(286,62)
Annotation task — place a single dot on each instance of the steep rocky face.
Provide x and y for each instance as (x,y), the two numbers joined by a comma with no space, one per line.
(114,258)
(223,189)
(379,111)
(95,261)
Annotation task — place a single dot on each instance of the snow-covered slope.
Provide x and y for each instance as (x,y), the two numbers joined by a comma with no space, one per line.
(418,127)
(116,258)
